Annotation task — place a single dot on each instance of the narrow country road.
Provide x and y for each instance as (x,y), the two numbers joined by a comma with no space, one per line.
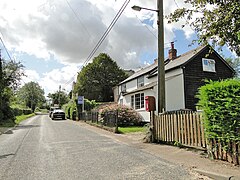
(44,149)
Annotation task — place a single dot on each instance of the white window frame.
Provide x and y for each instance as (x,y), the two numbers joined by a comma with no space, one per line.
(124,87)
(140,81)
(139,101)
(208,65)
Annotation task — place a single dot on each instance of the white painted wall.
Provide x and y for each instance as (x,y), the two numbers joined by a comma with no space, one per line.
(175,90)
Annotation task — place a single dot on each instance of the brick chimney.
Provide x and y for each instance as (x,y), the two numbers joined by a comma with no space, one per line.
(172,53)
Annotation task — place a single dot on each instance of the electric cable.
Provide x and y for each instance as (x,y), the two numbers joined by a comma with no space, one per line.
(103,37)
(5,49)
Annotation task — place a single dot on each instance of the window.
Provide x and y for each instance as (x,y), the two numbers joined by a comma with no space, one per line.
(123,88)
(208,65)
(121,102)
(140,81)
(139,101)
(132,102)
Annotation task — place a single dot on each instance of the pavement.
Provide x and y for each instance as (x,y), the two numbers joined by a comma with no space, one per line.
(193,159)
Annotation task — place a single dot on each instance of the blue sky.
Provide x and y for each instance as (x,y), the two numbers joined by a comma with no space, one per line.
(53,38)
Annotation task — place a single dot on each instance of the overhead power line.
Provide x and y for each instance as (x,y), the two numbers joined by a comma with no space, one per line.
(103,37)
(107,31)
(74,12)
(5,49)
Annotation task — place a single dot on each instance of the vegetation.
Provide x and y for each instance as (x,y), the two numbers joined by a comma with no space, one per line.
(59,97)
(220,102)
(31,95)
(235,63)
(131,129)
(126,115)
(214,21)
(96,80)
(23,117)
(10,75)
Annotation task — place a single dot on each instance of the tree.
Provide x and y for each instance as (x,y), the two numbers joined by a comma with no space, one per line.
(217,21)
(31,95)
(10,76)
(235,64)
(60,98)
(96,80)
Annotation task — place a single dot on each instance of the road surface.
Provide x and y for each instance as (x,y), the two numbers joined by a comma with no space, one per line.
(41,148)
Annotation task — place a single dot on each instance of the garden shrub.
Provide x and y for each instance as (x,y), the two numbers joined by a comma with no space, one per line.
(126,115)
(220,102)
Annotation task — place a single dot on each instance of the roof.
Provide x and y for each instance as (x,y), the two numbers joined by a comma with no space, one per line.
(170,64)
(148,86)
(141,72)
(184,58)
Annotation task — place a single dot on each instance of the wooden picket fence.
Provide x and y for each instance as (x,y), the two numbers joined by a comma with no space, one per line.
(184,127)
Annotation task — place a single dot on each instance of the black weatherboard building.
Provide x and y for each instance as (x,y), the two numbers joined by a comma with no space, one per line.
(197,66)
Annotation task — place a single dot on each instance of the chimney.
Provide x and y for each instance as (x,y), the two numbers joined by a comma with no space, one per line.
(172,53)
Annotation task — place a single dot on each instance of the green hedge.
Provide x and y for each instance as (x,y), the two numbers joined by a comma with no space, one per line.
(19,111)
(220,102)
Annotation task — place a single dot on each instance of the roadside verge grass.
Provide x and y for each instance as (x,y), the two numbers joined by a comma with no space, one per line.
(23,117)
(125,130)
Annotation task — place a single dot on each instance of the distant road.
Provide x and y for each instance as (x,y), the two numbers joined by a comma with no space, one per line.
(51,150)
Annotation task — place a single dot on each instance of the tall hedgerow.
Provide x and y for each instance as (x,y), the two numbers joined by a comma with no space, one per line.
(220,102)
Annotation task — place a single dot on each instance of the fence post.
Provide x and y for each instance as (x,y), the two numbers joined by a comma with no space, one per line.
(116,122)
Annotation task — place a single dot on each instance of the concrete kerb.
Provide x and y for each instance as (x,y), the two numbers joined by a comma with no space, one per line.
(216,176)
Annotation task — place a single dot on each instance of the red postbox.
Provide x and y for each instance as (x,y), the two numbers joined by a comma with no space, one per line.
(150,103)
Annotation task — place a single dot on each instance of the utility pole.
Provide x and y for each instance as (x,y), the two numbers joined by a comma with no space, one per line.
(161,66)
(1,87)
(59,96)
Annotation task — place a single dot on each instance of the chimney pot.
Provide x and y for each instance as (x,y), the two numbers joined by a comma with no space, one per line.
(172,53)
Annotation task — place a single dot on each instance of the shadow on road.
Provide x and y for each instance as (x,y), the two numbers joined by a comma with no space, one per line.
(25,126)
(6,155)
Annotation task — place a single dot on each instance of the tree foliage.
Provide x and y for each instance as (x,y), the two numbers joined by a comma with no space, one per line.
(96,80)
(235,64)
(59,97)
(217,21)
(31,95)
(10,76)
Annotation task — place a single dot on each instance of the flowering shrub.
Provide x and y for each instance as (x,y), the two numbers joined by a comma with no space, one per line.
(126,115)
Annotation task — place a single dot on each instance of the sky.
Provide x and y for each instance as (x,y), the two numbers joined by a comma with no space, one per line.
(53,38)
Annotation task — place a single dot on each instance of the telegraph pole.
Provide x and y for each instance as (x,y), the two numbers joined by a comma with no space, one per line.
(59,96)
(1,87)
(161,66)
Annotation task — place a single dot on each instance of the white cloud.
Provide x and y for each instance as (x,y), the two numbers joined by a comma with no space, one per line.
(53,79)
(49,27)
(44,27)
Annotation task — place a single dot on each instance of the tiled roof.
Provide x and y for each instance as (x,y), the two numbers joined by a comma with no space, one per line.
(180,60)
(148,86)
(184,58)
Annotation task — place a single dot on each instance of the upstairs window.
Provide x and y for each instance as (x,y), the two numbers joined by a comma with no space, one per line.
(140,81)
(208,65)
(123,88)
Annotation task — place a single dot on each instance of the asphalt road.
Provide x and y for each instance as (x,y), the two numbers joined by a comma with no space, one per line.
(41,148)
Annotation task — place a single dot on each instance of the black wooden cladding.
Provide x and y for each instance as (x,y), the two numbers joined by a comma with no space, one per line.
(194,76)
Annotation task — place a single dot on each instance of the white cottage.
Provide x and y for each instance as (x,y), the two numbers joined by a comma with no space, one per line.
(184,74)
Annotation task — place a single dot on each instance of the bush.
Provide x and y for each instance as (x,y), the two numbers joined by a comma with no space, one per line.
(126,115)
(70,109)
(220,102)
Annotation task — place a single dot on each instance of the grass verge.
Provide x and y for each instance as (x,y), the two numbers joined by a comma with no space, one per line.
(125,130)
(23,117)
